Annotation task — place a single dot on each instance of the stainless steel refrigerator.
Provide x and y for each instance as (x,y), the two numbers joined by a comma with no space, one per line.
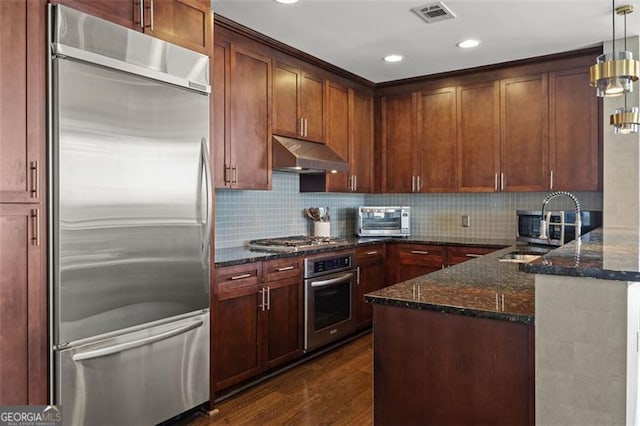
(130,223)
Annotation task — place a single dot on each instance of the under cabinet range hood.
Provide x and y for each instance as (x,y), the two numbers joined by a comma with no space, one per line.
(299,156)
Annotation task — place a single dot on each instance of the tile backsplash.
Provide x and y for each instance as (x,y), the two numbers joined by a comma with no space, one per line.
(245,215)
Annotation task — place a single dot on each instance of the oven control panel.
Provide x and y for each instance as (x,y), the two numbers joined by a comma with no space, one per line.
(324,265)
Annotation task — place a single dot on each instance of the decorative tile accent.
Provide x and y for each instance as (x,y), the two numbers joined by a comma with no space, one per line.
(245,215)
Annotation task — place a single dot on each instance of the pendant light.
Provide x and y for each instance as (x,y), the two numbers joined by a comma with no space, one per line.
(625,119)
(614,73)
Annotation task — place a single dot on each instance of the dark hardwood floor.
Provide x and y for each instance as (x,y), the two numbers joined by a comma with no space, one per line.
(333,389)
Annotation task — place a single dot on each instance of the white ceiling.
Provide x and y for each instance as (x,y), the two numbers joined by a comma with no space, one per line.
(356,34)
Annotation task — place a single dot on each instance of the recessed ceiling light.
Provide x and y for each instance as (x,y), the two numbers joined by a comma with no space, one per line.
(393,58)
(286,1)
(466,44)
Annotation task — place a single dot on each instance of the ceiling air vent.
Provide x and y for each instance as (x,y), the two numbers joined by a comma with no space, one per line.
(434,12)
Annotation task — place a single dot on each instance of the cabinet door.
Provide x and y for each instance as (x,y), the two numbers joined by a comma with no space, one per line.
(121,12)
(283,323)
(573,132)
(188,23)
(250,137)
(312,107)
(478,137)
(286,86)
(436,140)
(23,353)
(524,137)
(371,277)
(361,149)
(221,118)
(398,143)
(236,337)
(22,100)
(337,132)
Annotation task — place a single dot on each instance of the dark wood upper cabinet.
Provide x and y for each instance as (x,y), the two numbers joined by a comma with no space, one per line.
(298,103)
(337,133)
(478,137)
(22,104)
(398,143)
(188,23)
(575,157)
(524,133)
(436,140)
(248,149)
(361,148)
(220,106)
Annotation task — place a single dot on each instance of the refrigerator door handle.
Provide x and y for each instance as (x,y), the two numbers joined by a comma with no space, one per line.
(102,352)
(207,170)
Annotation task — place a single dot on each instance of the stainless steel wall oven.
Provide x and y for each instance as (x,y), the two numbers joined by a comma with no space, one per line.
(329,294)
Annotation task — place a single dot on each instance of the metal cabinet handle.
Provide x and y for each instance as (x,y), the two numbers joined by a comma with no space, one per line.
(371,253)
(306,127)
(285,268)
(418,183)
(355,183)
(501,181)
(502,301)
(551,179)
(497,306)
(35,227)
(239,277)
(301,129)
(234,174)
(151,15)
(495,181)
(358,275)
(35,179)
(99,353)
(268,298)
(413,184)
(419,252)
(141,10)
(473,255)
(262,303)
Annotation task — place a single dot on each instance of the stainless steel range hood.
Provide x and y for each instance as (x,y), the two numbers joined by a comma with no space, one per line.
(298,156)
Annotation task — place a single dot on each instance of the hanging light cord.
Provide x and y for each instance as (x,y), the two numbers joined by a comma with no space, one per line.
(613,22)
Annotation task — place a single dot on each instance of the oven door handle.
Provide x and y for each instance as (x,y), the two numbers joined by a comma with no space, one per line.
(331,281)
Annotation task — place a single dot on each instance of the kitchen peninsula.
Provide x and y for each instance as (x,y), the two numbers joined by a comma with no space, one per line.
(456,346)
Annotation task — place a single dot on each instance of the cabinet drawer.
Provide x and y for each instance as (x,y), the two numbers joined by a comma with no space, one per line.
(421,254)
(278,269)
(370,254)
(459,254)
(233,281)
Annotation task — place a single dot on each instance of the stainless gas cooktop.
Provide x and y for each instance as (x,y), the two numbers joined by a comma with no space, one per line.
(296,243)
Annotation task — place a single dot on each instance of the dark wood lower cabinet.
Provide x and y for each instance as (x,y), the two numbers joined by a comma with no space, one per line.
(406,261)
(257,314)
(371,277)
(23,311)
(434,368)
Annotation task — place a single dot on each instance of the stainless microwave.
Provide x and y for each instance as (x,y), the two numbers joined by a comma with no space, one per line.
(561,226)
(383,221)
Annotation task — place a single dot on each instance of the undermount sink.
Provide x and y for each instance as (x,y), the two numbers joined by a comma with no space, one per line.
(518,257)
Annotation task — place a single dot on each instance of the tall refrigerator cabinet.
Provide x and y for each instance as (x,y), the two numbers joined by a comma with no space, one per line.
(130,223)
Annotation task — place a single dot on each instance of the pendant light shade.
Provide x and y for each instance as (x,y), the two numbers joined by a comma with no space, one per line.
(614,73)
(625,120)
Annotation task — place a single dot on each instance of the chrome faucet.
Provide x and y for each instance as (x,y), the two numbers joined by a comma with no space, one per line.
(544,221)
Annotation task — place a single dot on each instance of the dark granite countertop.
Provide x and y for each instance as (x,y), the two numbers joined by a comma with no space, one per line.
(610,254)
(481,287)
(239,255)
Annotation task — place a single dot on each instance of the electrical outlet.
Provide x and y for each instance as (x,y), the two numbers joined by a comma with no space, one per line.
(465,221)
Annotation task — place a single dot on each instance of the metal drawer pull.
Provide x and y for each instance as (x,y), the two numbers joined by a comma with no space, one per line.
(98,353)
(473,255)
(419,252)
(239,277)
(285,268)
(502,298)
(371,253)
